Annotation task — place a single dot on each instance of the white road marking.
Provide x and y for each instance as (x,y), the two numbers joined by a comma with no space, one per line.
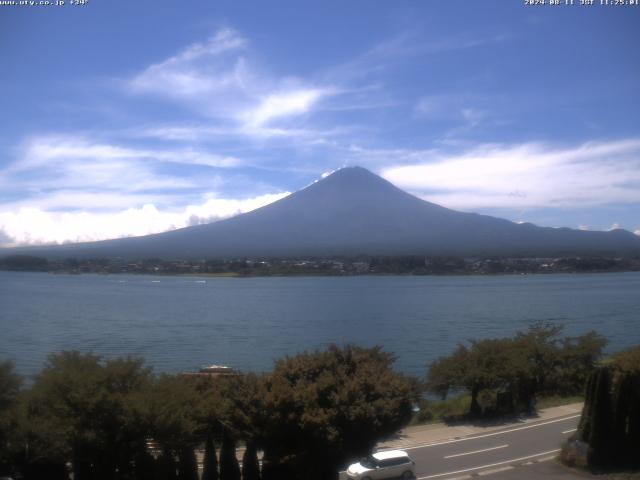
(488,466)
(572,430)
(545,459)
(495,470)
(477,451)
(484,435)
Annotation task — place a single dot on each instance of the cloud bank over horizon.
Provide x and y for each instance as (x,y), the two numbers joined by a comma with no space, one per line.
(32,226)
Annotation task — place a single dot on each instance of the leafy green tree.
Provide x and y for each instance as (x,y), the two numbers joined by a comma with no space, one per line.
(326,407)
(88,410)
(446,373)
(486,364)
(490,367)
(517,369)
(239,401)
(576,358)
(10,384)
(175,412)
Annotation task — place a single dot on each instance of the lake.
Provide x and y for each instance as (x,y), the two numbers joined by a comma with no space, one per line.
(180,323)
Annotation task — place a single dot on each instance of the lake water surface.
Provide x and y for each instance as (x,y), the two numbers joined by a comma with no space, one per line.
(181,323)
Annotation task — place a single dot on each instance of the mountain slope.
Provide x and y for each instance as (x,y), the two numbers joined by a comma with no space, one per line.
(355,212)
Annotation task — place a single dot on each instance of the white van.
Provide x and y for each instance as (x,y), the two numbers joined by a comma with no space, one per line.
(389,464)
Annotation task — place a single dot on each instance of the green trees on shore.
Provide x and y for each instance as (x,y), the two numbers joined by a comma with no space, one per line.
(116,420)
(505,375)
(113,419)
(326,407)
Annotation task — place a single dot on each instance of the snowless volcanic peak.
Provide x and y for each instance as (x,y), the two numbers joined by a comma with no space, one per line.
(355,212)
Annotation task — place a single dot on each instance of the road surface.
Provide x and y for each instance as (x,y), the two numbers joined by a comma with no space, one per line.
(493,452)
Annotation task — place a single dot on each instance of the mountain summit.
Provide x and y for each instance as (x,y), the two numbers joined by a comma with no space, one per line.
(353,212)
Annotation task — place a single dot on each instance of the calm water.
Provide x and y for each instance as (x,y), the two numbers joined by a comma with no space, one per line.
(180,323)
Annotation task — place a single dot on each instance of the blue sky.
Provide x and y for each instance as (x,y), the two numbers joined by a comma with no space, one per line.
(126,118)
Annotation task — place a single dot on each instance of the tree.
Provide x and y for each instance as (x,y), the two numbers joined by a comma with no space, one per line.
(518,368)
(210,462)
(240,406)
(584,426)
(250,464)
(145,466)
(229,468)
(490,367)
(166,466)
(446,373)
(10,384)
(486,364)
(176,412)
(601,421)
(610,422)
(626,400)
(86,410)
(576,358)
(326,407)
(188,465)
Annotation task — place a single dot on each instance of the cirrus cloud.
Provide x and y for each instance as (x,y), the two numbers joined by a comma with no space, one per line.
(524,175)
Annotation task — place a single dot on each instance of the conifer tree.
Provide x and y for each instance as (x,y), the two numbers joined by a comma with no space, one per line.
(145,466)
(619,434)
(229,468)
(210,463)
(188,466)
(250,464)
(584,428)
(599,453)
(166,466)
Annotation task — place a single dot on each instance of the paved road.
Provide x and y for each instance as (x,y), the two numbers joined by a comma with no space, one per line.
(538,471)
(492,452)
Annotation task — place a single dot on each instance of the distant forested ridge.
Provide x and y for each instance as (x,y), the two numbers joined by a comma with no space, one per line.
(340,266)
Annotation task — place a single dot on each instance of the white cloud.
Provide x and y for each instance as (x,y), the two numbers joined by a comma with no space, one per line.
(278,105)
(614,226)
(65,149)
(200,69)
(31,226)
(637,232)
(520,176)
(467,110)
(72,173)
(405,47)
(218,81)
